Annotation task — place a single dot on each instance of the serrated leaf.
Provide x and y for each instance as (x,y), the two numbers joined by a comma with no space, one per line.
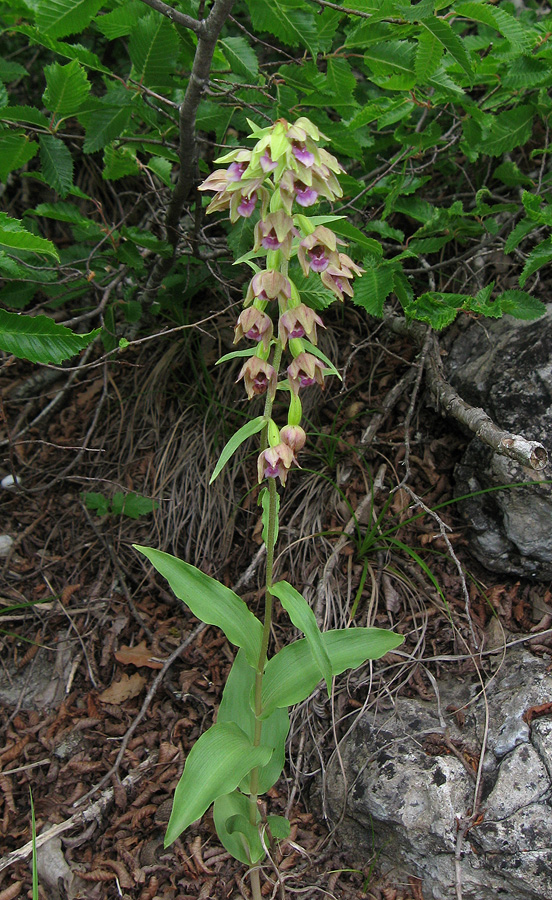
(246,431)
(521,230)
(24,114)
(441,30)
(67,88)
(373,288)
(340,83)
(216,764)
(57,163)
(121,21)
(292,675)
(312,291)
(521,305)
(104,125)
(119,162)
(288,20)
(153,50)
(437,308)
(210,601)
(15,151)
(236,707)
(241,57)
(39,339)
(14,235)
(62,48)
(58,18)
(513,30)
(539,257)
(509,129)
(162,168)
(428,56)
(304,619)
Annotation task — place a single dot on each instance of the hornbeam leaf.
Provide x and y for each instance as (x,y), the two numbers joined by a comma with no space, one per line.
(441,29)
(216,764)
(39,339)
(288,20)
(15,151)
(14,235)
(241,57)
(153,49)
(210,601)
(57,163)
(67,87)
(57,18)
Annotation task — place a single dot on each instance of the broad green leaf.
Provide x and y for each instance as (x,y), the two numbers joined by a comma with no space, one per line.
(216,764)
(292,675)
(311,289)
(210,601)
(104,124)
(24,114)
(513,30)
(236,707)
(522,305)
(304,619)
(373,288)
(340,83)
(539,257)
(236,833)
(132,505)
(241,57)
(14,235)
(509,129)
(119,162)
(511,175)
(437,308)
(428,56)
(441,30)
(57,163)
(57,18)
(153,50)
(40,339)
(121,21)
(67,87)
(288,20)
(344,229)
(62,48)
(518,233)
(15,151)
(10,70)
(246,431)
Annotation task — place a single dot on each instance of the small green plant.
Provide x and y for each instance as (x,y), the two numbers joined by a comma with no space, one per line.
(242,755)
(131,505)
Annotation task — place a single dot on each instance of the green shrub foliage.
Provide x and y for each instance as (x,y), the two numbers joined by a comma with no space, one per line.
(109,111)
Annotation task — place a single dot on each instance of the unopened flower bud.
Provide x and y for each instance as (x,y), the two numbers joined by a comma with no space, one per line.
(259,376)
(293,436)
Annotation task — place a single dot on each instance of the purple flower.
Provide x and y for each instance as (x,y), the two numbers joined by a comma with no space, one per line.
(305,370)
(255,325)
(318,259)
(268,285)
(247,205)
(275,232)
(298,322)
(304,194)
(267,163)
(303,155)
(275,462)
(236,170)
(259,376)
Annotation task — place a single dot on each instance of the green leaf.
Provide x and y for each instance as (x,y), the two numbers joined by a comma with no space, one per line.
(57,163)
(241,57)
(67,87)
(216,764)
(119,162)
(311,289)
(97,502)
(513,30)
(428,56)
(24,114)
(518,233)
(236,707)
(153,49)
(210,601)
(288,20)
(15,236)
(57,18)
(132,505)
(509,129)
(437,308)
(236,833)
(107,122)
(39,339)
(304,619)
(441,30)
(344,229)
(15,151)
(70,51)
(264,501)
(539,257)
(373,288)
(120,22)
(246,431)
(521,305)
(292,675)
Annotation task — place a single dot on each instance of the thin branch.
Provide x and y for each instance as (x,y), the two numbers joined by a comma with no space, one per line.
(528,453)
(175,16)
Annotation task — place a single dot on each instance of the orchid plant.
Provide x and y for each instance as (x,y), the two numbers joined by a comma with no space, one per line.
(242,755)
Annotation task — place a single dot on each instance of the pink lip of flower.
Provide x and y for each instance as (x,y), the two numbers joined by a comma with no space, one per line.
(275,462)
(258,375)
(235,171)
(271,242)
(303,155)
(305,195)
(318,261)
(267,163)
(247,205)
(305,370)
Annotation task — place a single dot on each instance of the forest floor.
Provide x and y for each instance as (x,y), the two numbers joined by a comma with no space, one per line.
(106,680)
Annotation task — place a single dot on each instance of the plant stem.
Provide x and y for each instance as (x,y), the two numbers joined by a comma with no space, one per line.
(270,544)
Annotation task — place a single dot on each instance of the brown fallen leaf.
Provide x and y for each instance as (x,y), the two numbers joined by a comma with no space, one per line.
(137,656)
(125,689)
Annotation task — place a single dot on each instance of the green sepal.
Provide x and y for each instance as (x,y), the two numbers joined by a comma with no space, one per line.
(273,433)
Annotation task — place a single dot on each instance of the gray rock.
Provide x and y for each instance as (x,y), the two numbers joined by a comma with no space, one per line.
(505,366)
(406,792)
